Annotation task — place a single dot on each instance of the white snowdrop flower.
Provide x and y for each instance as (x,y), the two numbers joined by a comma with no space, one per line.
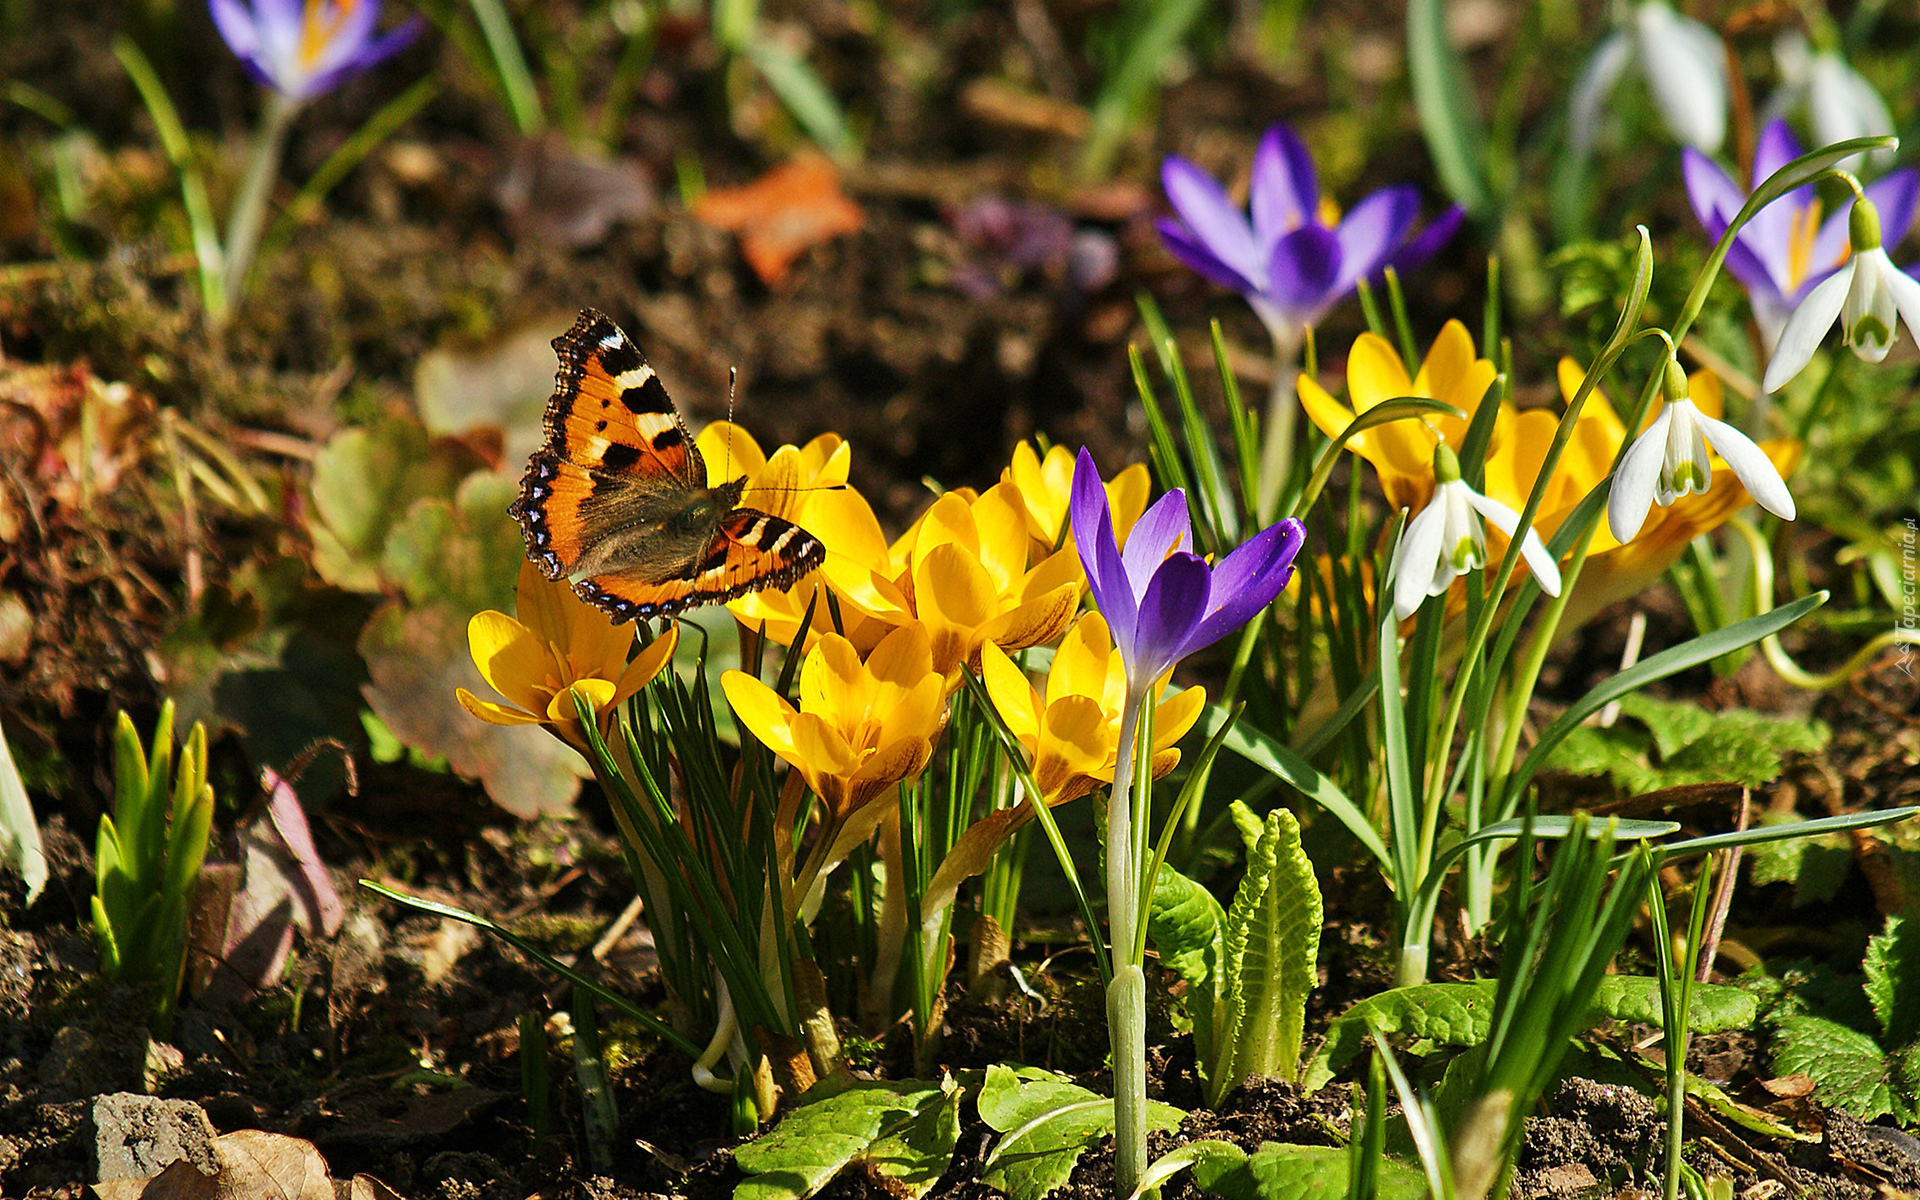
(1841,105)
(1671,459)
(1685,67)
(1446,539)
(1869,296)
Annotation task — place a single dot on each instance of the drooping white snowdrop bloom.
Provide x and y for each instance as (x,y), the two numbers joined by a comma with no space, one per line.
(1683,63)
(1840,103)
(1446,539)
(1671,458)
(1868,295)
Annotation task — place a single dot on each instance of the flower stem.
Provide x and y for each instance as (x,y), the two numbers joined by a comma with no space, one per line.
(249,216)
(1127,993)
(1278,431)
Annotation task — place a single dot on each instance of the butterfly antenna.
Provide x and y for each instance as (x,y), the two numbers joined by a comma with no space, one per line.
(733,379)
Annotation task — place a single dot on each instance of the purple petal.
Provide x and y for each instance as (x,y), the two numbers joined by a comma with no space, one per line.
(1170,610)
(234,21)
(1895,197)
(1162,529)
(1305,269)
(1247,580)
(367,55)
(1284,194)
(1184,246)
(1777,147)
(1215,221)
(1373,230)
(1093,537)
(1428,241)
(1711,191)
(1746,266)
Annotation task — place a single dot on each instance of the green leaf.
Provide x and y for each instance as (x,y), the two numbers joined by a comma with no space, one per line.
(1435,1014)
(1186,926)
(1893,979)
(1048,1122)
(903,1131)
(364,480)
(1284,1172)
(1671,743)
(463,551)
(1288,766)
(1816,865)
(1716,1008)
(1847,1067)
(1272,939)
(804,95)
(1443,98)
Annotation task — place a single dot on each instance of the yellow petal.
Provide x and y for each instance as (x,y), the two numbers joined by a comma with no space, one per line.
(920,712)
(1127,493)
(1375,372)
(1175,715)
(949,522)
(1034,622)
(1083,664)
(834,683)
(494,714)
(820,750)
(1079,732)
(1164,761)
(646,664)
(1000,517)
(730,452)
(1708,396)
(845,524)
(1013,697)
(763,711)
(1328,414)
(896,762)
(904,657)
(511,659)
(562,709)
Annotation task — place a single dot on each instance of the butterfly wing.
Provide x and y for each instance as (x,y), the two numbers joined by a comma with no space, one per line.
(616,450)
(753,551)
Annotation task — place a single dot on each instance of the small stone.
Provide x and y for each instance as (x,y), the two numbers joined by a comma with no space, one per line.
(137,1137)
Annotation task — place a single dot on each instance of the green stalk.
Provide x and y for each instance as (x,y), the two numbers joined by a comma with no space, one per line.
(1283,414)
(249,216)
(1127,993)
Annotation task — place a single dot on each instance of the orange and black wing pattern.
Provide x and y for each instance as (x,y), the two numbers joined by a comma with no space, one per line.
(616,500)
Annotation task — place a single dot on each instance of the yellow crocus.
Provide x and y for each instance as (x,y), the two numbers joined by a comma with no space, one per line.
(1071,730)
(1402,451)
(862,727)
(965,572)
(558,647)
(1046,487)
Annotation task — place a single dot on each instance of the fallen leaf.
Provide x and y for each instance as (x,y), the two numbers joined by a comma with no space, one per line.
(553,193)
(254,1165)
(501,384)
(783,214)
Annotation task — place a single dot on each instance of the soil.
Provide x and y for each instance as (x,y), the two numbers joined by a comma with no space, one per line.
(395,1048)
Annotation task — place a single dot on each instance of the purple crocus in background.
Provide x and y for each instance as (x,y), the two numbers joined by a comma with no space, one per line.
(303,49)
(1162,602)
(1293,258)
(1787,248)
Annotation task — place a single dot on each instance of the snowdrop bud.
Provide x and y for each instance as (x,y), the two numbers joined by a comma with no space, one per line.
(1446,464)
(1673,385)
(1863,226)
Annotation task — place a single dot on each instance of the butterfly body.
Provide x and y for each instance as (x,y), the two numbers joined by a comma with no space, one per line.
(617,500)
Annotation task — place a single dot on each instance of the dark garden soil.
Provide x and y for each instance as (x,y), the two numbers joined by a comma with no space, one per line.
(395,1048)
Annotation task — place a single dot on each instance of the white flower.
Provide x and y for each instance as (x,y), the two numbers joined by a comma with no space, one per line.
(1671,459)
(1685,67)
(1869,296)
(1841,104)
(1446,539)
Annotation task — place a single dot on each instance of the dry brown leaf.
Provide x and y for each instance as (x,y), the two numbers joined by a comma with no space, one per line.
(783,214)
(254,1165)
(366,1187)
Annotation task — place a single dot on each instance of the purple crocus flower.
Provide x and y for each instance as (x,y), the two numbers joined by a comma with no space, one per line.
(301,48)
(1161,600)
(1786,249)
(1292,261)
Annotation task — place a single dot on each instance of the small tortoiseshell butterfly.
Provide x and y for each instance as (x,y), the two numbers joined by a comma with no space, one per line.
(616,502)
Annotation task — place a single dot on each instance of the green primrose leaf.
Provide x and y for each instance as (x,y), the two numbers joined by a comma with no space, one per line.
(1816,866)
(1669,743)
(1187,926)
(1893,980)
(1048,1123)
(1848,1068)
(1272,939)
(1716,1008)
(1284,1172)
(902,1132)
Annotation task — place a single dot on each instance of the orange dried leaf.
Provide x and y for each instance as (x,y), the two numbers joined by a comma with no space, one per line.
(783,214)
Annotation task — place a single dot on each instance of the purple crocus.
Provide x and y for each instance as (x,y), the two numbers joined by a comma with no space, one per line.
(1161,600)
(301,49)
(1295,259)
(1787,248)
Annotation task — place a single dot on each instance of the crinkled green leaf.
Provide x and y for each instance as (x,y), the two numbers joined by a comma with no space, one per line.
(1435,1015)
(1272,939)
(464,552)
(1715,1007)
(881,1124)
(1816,865)
(1277,1171)
(1893,979)
(1848,1069)
(364,480)
(1667,743)
(1186,925)
(1048,1123)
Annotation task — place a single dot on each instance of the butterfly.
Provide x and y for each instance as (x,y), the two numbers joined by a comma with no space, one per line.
(616,501)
